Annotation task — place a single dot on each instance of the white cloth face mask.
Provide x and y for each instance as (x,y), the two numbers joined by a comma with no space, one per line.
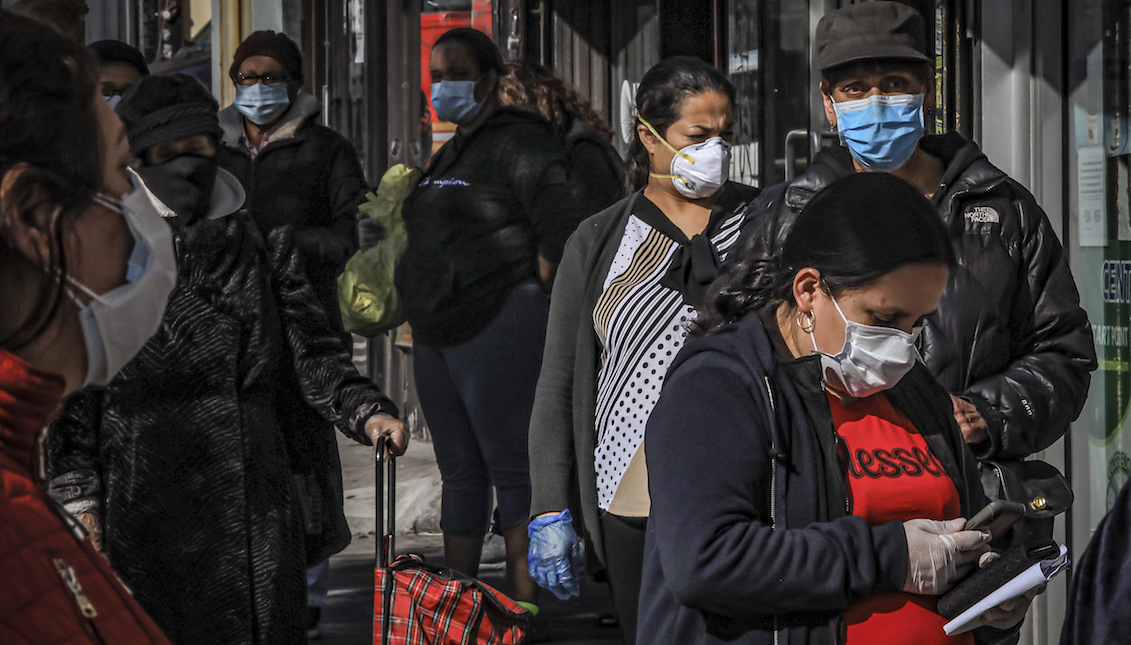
(698,170)
(872,359)
(118,323)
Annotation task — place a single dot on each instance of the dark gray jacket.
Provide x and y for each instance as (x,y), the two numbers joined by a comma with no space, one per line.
(562,427)
(1009,335)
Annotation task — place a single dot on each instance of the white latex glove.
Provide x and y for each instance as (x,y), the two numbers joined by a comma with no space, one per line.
(939,553)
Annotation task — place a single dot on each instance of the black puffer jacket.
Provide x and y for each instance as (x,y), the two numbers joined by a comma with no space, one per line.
(490,203)
(1009,334)
(307,177)
(185,454)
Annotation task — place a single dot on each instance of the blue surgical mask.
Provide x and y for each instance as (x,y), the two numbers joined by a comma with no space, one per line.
(138,262)
(118,323)
(881,131)
(455,101)
(113,100)
(262,103)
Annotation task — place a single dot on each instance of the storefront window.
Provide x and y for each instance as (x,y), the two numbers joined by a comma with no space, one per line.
(768,62)
(1100,249)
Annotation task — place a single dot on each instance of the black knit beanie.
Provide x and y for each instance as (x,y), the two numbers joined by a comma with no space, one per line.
(116,51)
(166,108)
(271,44)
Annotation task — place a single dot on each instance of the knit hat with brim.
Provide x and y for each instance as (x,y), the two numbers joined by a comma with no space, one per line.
(271,44)
(160,109)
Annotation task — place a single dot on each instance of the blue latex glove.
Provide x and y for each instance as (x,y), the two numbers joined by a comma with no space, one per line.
(554,554)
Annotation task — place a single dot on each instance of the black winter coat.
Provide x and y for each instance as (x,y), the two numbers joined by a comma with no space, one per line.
(307,177)
(1009,334)
(185,452)
(1100,595)
(490,203)
(749,532)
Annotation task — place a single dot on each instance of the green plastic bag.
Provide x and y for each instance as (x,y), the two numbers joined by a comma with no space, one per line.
(367,294)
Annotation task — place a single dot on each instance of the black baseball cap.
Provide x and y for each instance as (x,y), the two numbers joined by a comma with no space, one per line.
(868,31)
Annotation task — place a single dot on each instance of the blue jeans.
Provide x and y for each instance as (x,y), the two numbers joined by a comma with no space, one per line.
(477,398)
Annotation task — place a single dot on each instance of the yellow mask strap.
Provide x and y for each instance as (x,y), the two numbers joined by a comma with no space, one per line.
(665,142)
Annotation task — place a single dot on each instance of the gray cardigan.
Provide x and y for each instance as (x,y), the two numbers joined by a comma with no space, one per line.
(563,433)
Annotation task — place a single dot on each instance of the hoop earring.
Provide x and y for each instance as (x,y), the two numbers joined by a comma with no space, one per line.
(805,328)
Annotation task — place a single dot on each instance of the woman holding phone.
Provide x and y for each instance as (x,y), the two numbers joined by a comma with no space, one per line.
(807,477)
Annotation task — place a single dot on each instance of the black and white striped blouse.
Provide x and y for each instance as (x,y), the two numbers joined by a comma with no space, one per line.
(642,321)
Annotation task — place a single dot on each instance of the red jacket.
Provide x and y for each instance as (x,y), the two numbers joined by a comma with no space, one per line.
(55,589)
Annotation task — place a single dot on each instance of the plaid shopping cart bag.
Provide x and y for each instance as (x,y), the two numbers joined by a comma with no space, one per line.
(417,603)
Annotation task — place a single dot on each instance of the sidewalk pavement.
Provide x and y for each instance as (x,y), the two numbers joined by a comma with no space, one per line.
(348,615)
(418,488)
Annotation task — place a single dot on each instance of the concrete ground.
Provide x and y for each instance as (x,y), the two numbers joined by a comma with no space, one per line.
(348,616)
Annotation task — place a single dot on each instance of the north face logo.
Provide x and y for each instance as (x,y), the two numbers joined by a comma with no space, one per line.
(982,215)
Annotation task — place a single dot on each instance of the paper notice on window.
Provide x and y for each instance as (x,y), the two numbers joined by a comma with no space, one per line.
(1029,579)
(1092,190)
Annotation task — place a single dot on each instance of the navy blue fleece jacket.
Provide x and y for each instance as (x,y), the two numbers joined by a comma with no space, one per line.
(749,531)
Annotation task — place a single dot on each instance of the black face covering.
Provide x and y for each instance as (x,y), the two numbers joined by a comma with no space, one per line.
(184,184)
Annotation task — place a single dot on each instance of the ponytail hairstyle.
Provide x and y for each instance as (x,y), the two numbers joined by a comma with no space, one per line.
(854,231)
(659,100)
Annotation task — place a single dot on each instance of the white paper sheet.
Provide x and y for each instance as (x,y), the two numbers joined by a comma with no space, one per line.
(1031,578)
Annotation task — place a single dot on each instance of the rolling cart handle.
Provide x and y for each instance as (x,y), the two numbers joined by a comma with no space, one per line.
(385,544)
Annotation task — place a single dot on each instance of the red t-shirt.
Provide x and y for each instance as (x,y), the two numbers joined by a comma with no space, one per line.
(892,475)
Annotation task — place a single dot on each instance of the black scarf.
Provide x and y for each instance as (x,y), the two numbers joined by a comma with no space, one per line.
(696,263)
(184,184)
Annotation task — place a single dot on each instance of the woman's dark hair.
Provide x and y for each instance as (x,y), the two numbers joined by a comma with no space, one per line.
(478,45)
(854,231)
(534,88)
(659,100)
(49,133)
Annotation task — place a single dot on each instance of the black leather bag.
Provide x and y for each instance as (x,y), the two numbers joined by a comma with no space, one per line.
(1036,485)
(1044,493)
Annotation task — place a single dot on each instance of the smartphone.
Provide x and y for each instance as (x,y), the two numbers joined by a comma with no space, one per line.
(996,517)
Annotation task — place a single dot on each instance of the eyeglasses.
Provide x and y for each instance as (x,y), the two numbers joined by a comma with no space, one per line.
(267,79)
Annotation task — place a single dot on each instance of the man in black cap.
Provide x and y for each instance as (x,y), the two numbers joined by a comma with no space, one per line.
(120,68)
(1009,340)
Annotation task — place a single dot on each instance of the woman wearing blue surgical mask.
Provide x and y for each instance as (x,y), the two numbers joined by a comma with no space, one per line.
(808,480)
(631,283)
(486,227)
(65,249)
